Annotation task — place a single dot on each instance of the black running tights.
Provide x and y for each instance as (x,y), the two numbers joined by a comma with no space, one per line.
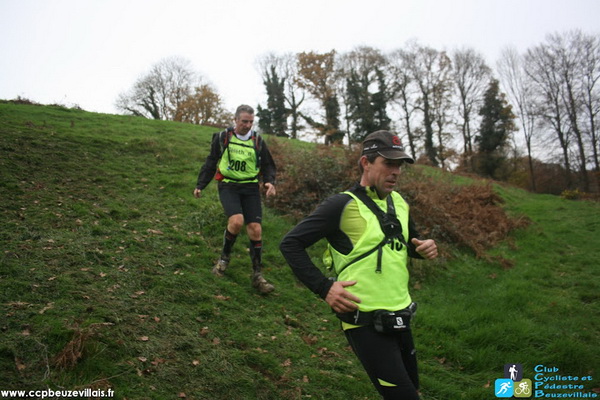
(390,360)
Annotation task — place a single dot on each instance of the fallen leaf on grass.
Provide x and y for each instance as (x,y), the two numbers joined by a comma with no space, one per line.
(19,364)
(221,297)
(310,339)
(155,231)
(286,363)
(195,363)
(48,306)
(18,304)
(144,338)
(261,350)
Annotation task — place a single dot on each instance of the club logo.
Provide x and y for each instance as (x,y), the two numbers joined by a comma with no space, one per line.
(513,371)
(513,384)
(547,381)
(504,388)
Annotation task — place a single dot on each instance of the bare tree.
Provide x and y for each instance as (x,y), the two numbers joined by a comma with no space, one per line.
(403,94)
(430,69)
(159,93)
(471,76)
(542,68)
(294,96)
(561,67)
(442,105)
(590,86)
(568,49)
(521,95)
(142,100)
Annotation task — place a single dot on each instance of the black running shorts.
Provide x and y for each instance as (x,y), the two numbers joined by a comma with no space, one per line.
(241,198)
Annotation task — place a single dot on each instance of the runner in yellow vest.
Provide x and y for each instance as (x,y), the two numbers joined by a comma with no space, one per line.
(237,159)
(370,236)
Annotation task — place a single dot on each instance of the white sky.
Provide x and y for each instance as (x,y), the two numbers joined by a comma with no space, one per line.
(87,52)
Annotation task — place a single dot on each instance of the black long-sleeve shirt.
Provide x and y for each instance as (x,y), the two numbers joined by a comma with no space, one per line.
(324,222)
(268,169)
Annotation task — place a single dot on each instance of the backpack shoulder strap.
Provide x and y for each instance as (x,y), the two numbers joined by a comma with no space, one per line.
(362,196)
(258,142)
(224,138)
(387,220)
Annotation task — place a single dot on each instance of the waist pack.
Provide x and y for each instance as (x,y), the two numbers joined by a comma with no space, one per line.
(391,321)
(383,321)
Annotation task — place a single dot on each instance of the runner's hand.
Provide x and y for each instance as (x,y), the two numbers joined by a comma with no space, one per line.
(197,193)
(426,248)
(341,300)
(271,191)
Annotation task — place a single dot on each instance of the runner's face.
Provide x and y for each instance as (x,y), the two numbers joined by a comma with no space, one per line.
(381,174)
(243,123)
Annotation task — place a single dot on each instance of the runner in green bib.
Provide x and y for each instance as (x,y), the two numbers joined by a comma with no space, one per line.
(370,236)
(238,159)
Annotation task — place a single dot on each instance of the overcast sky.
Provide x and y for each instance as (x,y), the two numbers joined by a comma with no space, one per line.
(87,52)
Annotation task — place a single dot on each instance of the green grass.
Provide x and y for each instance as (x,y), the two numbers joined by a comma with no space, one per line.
(477,316)
(103,240)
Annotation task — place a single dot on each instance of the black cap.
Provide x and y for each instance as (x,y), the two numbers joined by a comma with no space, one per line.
(387,145)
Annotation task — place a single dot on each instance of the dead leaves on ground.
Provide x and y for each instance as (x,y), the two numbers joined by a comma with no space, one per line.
(151,367)
(70,355)
(468,216)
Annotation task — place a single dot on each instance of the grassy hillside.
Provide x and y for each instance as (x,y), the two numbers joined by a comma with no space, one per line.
(105,280)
